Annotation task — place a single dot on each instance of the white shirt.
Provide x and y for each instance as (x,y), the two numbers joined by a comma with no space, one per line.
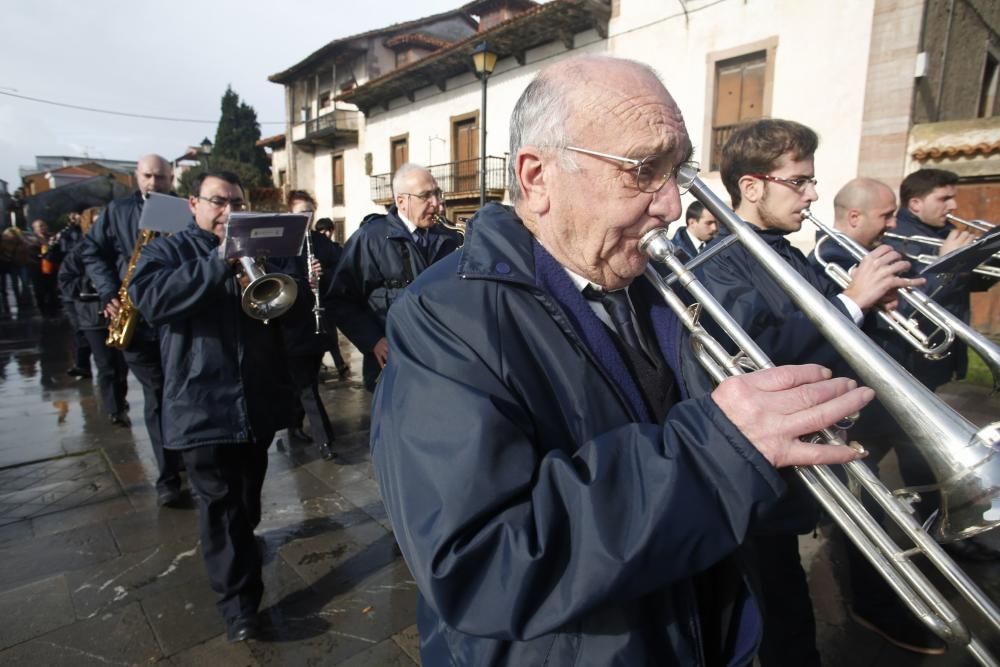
(599,310)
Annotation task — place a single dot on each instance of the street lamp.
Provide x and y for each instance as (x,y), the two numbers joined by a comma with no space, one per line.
(484,61)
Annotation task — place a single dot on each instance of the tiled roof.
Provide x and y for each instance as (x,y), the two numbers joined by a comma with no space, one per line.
(963,150)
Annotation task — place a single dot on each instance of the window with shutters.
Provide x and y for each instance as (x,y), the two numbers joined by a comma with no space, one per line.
(465,153)
(740,91)
(400,147)
(338,180)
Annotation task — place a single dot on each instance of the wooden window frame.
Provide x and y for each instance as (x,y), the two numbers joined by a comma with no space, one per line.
(333,178)
(392,150)
(769,46)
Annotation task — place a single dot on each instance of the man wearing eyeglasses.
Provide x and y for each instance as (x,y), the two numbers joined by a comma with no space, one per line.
(384,256)
(227,386)
(105,252)
(558,496)
(768,169)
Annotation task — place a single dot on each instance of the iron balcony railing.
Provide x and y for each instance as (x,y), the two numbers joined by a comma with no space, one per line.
(456,179)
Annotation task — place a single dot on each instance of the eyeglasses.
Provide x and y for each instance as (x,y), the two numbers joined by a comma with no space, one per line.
(798,184)
(652,172)
(424,196)
(223,202)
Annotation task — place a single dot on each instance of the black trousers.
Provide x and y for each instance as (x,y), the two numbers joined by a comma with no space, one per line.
(143,359)
(304,370)
(112,372)
(789,624)
(333,345)
(226,481)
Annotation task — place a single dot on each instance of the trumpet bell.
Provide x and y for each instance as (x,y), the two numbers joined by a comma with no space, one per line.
(269,295)
(970,495)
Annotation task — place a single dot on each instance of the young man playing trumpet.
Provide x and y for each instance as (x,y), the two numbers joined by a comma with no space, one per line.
(768,170)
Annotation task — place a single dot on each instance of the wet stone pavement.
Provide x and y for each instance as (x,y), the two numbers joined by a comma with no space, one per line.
(92,572)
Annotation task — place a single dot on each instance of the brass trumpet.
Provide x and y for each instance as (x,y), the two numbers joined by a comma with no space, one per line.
(964,457)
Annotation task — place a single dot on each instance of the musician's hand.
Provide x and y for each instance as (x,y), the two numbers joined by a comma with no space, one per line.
(316,268)
(773,408)
(876,278)
(111,310)
(956,239)
(381,351)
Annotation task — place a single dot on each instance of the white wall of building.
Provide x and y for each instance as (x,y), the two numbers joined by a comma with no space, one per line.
(820,69)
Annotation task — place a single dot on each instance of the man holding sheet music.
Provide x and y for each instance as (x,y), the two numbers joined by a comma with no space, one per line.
(105,251)
(227,390)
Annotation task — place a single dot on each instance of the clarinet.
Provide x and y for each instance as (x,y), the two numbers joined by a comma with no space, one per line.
(314,283)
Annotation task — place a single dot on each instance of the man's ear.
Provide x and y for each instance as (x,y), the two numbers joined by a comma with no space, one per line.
(853,218)
(192,202)
(531,171)
(751,189)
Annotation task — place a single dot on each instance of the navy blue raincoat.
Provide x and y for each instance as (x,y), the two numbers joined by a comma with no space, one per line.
(225,377)
(377,263)
(545,518)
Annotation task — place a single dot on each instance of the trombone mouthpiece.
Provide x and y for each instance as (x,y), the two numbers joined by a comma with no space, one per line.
(656,244)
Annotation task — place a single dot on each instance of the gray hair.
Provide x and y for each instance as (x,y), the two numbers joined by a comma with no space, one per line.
(542,113)
(402,173)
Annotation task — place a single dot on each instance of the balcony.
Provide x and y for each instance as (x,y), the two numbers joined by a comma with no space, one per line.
(336,128)
(458,180)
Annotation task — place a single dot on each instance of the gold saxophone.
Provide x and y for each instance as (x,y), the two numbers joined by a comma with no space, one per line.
(122,325)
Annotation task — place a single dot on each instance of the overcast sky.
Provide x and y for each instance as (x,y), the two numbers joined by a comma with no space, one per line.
(158,58)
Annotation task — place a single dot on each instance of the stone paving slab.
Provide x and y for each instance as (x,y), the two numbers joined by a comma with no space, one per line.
(122,637)
(215,651)
(41,557)
(385,653)
(184,615)
(34,610)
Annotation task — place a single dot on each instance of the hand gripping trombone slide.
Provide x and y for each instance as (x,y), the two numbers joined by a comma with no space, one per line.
(966,460)
(947,323)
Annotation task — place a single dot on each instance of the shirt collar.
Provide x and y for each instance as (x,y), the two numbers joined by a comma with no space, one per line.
(406,221)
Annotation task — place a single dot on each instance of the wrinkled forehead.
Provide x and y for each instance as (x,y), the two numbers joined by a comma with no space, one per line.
(419,181)
(628,109)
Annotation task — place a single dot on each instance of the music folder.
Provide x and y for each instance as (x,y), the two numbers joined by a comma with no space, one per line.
(264,235)
(165,213)
(967,258)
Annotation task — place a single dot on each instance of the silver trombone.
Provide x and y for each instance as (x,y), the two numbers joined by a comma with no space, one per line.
(907,327)
(946,322)
(979,225)
(967,459)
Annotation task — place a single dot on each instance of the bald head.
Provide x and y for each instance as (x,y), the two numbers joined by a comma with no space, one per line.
(864,209)
(154,174)
(570,101)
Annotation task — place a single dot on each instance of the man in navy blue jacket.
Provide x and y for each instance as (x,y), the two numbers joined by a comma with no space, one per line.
(700,227)
(382,258)
(767,168)
(226,387)
(926,197)
(106,250)
(557,496)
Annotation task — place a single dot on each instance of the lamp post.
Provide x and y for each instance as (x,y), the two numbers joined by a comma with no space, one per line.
(484,61)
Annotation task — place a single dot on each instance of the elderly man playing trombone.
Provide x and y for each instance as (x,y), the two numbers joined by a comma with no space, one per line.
(558,495)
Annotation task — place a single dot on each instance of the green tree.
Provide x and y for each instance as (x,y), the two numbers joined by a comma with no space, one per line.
(236,139)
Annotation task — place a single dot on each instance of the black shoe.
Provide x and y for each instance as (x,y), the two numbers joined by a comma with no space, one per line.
(902,629)
(298,434)
(973,550)
(121,419)
(327,453)
(170,497)
(78,372)
(242,628)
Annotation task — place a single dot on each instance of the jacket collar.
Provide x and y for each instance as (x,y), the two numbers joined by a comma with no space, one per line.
(908,224)
(498,247)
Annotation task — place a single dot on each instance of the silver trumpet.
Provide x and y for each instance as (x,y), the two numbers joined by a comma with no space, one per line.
(986,269)
(269,295)
(965,458)
(980,225)
(907,327)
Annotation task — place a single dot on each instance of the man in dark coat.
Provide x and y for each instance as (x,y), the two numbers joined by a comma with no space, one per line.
(767,168)
(227,391)
(382,258)
(700,227)
(106,250)
(556,498)
(926,197)
(83,310)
